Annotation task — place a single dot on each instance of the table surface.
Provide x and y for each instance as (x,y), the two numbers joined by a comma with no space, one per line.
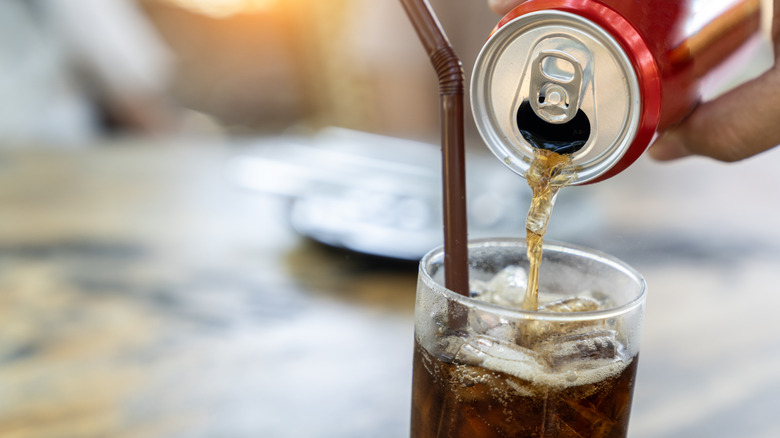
(141,295)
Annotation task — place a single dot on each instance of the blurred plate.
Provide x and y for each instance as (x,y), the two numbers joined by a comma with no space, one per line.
(382,195)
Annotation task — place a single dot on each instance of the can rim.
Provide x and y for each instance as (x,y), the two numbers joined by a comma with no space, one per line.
(509,147)
(638,59)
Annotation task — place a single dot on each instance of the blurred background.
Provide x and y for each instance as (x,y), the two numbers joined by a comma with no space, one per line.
(211,212)
(249,66)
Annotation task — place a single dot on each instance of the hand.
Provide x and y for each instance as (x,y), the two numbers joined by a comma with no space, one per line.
(736,125)
(501,7)
(739,124)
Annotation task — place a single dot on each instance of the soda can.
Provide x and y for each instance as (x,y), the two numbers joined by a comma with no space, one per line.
(599,80)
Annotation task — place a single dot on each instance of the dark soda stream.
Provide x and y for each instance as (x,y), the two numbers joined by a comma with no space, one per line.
(550,170)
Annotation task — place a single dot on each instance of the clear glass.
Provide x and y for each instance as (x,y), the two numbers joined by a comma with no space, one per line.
(488,369)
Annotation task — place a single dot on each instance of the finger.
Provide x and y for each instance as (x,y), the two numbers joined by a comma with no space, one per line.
(737,125)
(501,7)
(669,147)
(776,27)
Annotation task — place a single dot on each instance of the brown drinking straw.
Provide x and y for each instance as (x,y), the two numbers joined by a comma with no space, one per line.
(450,72)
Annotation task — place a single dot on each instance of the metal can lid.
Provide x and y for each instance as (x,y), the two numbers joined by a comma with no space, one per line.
(549,60)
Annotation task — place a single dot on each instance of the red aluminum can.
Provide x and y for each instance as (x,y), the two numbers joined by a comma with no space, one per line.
(614,73)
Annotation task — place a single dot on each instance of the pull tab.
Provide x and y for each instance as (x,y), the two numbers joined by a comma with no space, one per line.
(559,74)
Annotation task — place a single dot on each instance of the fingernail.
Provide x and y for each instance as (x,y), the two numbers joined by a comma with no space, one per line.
(668,147)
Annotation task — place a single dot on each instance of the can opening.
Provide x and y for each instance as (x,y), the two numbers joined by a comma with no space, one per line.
(563,138)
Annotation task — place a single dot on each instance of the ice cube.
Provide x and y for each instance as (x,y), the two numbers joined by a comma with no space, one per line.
(573,304)
(498,355)
(603,300)
(573,418)
(581,349)
(507,287)
(446,344)
(504,330)
(535,331)
(486,322)
(481,361)
(471,351)
(477,288)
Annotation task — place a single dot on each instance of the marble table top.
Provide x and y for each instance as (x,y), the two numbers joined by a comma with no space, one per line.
(142,295)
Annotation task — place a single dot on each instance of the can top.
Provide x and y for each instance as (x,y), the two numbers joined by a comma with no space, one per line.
(575,78)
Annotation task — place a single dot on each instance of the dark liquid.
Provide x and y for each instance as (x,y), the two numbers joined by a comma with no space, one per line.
(564,138)
(548,173)
(461,401)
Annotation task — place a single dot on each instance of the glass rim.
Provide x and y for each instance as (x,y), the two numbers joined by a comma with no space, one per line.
(437,254)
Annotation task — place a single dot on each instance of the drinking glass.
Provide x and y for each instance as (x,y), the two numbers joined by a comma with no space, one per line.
(485,368)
